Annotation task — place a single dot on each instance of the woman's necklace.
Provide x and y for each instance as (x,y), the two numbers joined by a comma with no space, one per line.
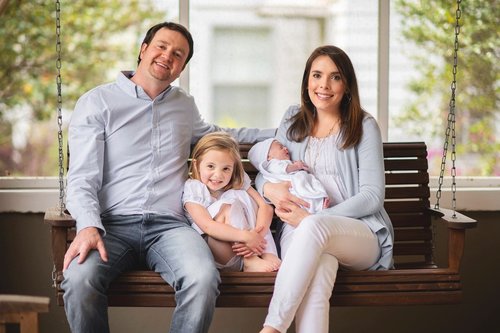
(315,146)
(332,128)
(335,126)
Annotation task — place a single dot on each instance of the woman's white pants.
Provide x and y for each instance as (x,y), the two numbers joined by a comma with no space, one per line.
(311,255)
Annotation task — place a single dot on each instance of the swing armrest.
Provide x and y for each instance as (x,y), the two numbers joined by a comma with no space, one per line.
(455,220)
(60,226)
(457,224)
(54,218)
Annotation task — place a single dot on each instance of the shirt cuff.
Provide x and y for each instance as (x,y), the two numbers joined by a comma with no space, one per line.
(89,220)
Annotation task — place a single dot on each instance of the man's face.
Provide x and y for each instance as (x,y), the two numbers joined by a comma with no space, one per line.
(164,57)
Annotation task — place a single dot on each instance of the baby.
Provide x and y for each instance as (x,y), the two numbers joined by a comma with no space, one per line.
(272,159)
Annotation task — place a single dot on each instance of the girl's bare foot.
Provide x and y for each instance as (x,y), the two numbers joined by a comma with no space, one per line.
(257,264)
(272,258)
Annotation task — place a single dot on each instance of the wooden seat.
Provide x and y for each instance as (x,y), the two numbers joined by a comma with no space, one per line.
(22,310)
(417,279)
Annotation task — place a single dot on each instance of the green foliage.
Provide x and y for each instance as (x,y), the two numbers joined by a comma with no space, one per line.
(430,25)
(98,38)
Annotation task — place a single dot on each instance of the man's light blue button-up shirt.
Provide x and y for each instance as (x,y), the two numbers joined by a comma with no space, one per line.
(128,152)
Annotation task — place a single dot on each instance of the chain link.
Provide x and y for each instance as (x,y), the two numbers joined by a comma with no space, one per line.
(59,109)
(450,129)
(54,276)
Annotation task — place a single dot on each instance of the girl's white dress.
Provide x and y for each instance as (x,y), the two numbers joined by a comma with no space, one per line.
(243,211)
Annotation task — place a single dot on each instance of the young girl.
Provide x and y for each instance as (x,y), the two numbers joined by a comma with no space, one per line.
(225,208)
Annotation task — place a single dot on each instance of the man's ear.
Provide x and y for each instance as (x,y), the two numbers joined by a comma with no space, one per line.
(144,46)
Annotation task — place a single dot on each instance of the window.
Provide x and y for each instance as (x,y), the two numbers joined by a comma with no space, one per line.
(240,76)
(248,64)
(250,48)
(229,35)
(421,66)
(97,39)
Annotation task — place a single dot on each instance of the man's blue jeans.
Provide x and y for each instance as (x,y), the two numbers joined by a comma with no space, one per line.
(164,244)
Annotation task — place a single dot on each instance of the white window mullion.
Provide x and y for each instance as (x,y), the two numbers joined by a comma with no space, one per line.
(383,67)
(184,20)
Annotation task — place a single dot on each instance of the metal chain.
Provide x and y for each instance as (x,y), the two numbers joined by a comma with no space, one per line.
(451,123)
(59,109)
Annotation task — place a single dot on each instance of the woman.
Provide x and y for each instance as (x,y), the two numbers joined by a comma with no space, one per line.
(342,146)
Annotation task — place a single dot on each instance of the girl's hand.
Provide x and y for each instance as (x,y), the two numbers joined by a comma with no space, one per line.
(240,249)
(279,194)
(255,242)
(292,214)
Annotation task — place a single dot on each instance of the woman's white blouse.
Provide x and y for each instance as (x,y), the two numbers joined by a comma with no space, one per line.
(320,159)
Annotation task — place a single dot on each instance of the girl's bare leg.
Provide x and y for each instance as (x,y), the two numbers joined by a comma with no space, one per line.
(221,250)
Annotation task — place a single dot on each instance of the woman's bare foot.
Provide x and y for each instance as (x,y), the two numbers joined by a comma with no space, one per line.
(269,329)
(257,264)
(272,258)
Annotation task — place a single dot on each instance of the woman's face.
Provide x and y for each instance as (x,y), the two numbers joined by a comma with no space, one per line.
(325,85)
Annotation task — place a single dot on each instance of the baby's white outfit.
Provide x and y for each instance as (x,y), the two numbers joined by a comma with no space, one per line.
(304,185)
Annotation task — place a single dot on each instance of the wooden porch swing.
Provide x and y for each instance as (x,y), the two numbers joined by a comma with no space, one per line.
(417,279)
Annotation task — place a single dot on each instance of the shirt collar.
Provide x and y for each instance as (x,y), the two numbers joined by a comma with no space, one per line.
(129,87)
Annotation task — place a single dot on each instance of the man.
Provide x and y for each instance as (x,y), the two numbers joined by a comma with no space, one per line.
(129,142)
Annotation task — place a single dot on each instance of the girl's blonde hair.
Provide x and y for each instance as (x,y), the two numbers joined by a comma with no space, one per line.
(219,141)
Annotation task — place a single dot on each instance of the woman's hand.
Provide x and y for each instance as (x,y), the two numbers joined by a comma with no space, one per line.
(292,214)
(279,194)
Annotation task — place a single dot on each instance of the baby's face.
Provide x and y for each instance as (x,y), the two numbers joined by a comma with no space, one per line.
(278,151)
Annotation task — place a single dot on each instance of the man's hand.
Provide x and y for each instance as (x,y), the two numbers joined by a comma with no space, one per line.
(86,240)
